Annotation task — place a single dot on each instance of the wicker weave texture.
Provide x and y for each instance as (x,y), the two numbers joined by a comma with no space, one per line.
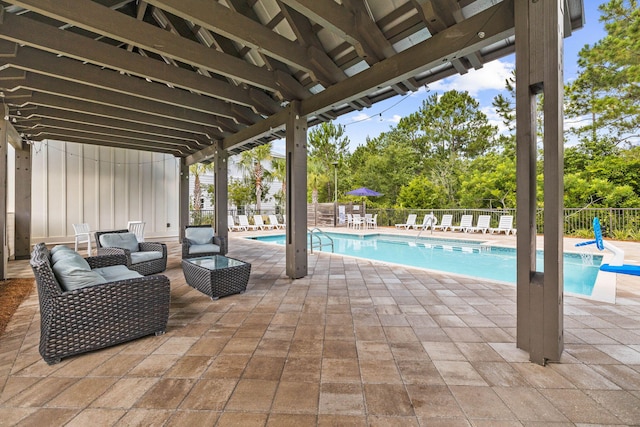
(218,282)
(95,317)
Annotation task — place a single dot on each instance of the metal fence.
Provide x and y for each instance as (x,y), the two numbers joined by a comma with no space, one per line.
(617,223)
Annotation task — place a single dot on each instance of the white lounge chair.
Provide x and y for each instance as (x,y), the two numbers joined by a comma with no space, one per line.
(244,222)
(483,224)
(466,222)
(259,222)
(429,221)
(137,228)
(445,224)
(349,220)
(505,224)
(411,222)
(231,225)
(273,220)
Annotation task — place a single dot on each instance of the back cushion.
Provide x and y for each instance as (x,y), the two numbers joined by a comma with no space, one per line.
(199,236)
(119,240)
(57,248)
(73,272)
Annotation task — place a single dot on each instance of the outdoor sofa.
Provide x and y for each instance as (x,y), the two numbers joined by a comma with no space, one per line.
(144,257)
(91,303)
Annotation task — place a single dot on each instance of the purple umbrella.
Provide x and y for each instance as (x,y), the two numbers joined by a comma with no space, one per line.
(365,192)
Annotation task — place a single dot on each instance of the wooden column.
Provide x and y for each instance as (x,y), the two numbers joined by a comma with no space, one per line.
(23,202)
(183,197)
(4,142)
(296,148)
(539,42)
(220,163)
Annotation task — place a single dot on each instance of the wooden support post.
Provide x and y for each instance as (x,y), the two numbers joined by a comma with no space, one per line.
(220,163)
(296,148)
(539,38)
(23,202)
(4,143)
(183,197)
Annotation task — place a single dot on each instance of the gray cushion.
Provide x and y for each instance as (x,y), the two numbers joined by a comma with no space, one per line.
(57,248)
(75,273)
(139,257)
(114,273)
(199,236)
(119,240)
(202,249)
(59,255)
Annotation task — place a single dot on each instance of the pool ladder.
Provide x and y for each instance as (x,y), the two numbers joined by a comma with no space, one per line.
(319,244)
(430,228)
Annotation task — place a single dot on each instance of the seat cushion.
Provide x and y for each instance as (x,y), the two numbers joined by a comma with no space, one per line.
(114,273)
(203,249)
(199,236)
(138,257)
(119,240)
(73,272)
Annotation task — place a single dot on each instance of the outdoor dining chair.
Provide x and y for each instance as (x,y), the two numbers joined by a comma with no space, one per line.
(82,235)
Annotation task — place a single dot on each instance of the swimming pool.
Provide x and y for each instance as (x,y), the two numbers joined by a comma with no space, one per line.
(466,257)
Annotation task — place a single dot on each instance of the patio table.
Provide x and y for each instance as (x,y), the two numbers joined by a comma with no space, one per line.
(216,276)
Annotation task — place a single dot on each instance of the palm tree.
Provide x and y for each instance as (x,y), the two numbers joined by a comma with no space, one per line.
(279,172)
(251,163)
(197,170)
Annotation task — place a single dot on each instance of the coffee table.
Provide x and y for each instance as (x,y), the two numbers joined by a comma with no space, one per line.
(217,275)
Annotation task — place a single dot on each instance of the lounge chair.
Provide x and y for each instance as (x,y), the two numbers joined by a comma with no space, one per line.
(411,222)
(349,220)
(244,222)
(466,222)
(483,224)
(273,220)
(505,224)
(200,240)
(144,257)
(429,221)
(231,225)
(445,224)
(259,222)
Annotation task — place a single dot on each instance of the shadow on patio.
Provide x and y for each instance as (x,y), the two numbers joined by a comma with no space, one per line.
(353,343)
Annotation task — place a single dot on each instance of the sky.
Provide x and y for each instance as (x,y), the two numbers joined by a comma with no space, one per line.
(483,84)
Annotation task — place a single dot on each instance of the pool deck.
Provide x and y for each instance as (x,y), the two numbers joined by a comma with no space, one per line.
(355,342)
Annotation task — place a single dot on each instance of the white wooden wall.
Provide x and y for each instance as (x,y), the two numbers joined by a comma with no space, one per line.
(102,186)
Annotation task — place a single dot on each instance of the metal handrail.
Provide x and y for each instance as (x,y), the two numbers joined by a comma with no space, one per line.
(320,245)
(431,224)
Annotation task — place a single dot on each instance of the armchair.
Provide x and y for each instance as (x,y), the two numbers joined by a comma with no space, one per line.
(200,240)
(144,257)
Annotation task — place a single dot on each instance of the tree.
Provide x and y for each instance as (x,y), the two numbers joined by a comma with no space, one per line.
(455,126)
(240,193)
(251,162)
(279,173)
(327,145)
(490,183)
(421,193)
(197,170)
(606,93)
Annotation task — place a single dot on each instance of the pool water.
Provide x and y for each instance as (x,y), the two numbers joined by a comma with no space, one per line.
(466,257)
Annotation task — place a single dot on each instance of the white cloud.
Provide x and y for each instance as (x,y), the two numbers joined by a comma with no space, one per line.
(490,77)
(359,117)
(395,119)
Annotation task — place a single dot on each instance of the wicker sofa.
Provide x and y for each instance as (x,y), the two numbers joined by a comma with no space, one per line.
(200,240)
(134,251)
(98,315)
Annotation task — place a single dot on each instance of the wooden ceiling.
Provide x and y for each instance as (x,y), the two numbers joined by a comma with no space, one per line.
(173,76)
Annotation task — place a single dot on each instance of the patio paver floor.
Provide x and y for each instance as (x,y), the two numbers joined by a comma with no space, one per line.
(353,343)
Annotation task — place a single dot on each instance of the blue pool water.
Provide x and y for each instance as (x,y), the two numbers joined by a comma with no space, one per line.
(467,257)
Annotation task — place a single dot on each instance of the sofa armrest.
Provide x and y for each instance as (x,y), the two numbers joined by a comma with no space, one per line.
(106,260)
(153,246)
(222,242)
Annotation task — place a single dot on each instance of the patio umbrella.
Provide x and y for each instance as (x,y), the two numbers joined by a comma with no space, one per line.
(364,192)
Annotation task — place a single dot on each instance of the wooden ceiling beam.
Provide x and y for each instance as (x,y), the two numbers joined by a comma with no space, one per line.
(28,32)
(96,18)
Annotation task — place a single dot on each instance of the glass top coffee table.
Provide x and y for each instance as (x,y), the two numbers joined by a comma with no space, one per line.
(217,275)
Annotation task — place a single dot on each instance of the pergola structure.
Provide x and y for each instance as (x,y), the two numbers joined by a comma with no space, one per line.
(203,79)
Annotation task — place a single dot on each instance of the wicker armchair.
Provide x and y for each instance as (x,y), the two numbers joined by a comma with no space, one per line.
(91,318)
(146,267)
(189,245)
